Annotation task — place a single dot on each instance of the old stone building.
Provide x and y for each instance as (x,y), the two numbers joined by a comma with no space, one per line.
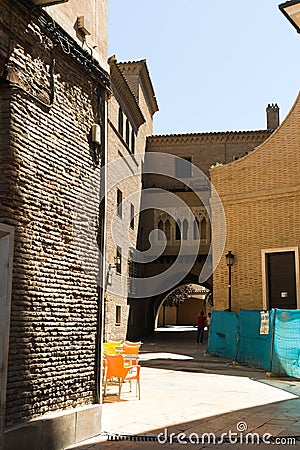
(182,169)
(261,197)
(53,85)
(130,119)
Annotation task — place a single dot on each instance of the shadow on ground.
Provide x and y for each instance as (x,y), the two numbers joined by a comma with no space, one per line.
(273,424)
(175,348)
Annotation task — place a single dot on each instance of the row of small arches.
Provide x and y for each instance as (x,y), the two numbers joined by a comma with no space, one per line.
(182,229)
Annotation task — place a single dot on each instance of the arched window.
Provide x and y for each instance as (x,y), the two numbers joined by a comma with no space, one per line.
(203,229)
(120,122)
(160,226)
(177,230)
(185,226)
(196,228)
(168,229)
(127,132)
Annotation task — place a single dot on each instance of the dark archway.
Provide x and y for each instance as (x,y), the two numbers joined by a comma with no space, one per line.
(190,280)
(143,311)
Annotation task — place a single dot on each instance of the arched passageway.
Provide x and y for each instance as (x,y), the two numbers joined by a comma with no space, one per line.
(182,305)
(144,312)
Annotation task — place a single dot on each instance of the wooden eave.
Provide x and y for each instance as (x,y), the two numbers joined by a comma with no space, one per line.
(119,82)
(140,68)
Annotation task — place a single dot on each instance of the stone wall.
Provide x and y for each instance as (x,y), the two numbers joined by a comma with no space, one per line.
(49,191)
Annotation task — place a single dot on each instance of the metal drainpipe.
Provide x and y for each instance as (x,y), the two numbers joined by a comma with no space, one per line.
(102,263)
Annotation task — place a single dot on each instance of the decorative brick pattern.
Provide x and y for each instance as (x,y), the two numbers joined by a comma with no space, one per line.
(261,198)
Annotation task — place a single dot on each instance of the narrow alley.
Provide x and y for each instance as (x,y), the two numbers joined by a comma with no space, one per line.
(202,396)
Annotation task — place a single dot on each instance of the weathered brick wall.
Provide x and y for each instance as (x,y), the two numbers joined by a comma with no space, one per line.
(117,293)
(53,201)
(261,197)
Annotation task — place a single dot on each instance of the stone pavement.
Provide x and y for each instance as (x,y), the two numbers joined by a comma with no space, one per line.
(185,391)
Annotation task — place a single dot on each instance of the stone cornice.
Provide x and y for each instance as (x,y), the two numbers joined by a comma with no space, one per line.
(223,137)
(140,68)
(120,83)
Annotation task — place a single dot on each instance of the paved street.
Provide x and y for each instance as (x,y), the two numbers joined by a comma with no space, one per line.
(185,391)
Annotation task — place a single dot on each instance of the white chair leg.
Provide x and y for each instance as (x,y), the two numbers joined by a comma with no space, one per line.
(138,388)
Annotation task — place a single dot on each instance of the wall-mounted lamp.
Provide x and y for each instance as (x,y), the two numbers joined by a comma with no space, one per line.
(291,10)
(117,262)
(229,261)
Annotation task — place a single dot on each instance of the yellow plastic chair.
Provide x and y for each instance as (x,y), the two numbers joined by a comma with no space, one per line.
(115,343)
(108,349)
(111,347)
(116,369)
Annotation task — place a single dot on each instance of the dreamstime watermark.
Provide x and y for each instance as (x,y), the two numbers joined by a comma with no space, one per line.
(240,436)
(175,207)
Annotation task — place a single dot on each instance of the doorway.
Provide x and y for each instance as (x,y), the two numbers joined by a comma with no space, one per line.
(281,268)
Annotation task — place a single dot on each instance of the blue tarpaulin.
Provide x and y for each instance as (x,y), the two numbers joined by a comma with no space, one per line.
(286,347)
(248,338)
(223,334)
(254,348)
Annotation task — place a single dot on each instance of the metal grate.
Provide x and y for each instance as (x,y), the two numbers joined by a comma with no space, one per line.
(126,437)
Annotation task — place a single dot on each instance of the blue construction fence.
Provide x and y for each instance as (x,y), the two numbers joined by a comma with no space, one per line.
(266,339)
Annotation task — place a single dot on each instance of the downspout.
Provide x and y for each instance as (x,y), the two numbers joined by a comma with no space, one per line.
(102,257)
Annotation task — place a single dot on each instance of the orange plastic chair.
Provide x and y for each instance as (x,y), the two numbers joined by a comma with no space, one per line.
(132,350)
(115,368)
(133,343)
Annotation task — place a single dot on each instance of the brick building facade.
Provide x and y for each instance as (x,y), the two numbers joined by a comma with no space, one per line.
(261,197)
(201,151)
(52,93)
(130,121)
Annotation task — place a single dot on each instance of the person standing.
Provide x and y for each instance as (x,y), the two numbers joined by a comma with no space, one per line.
(200,325)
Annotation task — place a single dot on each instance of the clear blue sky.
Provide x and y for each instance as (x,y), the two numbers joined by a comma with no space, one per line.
(214,64)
